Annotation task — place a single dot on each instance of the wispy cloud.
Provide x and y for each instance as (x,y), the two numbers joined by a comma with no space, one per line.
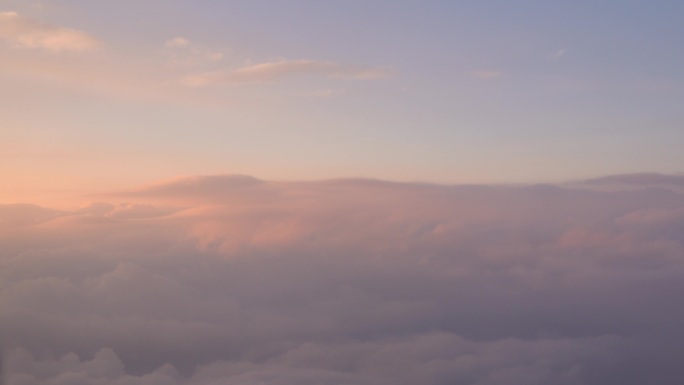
(26,32)
(177,42)
(649,179)
(558,54)
(486,74)
(182,53)
(277,70)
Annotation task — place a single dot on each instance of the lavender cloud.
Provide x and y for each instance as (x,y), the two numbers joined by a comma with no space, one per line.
(220,279)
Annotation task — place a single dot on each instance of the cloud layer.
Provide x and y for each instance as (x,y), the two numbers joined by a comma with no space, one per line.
(232,279)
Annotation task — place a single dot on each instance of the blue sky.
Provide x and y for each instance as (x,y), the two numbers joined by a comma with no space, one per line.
(444,91)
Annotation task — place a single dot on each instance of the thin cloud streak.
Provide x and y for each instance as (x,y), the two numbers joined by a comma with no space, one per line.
(278,70)
(640,179)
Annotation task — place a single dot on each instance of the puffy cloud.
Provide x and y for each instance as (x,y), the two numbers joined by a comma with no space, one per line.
(24,214)
(104,368)
(233,279)
(272,71)
(26,32)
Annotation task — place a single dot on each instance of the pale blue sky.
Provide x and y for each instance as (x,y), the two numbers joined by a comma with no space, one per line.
(444,91)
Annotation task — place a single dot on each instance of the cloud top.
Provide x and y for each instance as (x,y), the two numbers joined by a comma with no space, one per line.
(639,179)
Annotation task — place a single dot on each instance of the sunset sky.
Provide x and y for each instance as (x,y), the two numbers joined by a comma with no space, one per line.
(352,192)
(97,95)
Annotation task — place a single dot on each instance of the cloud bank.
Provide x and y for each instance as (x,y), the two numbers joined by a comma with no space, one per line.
(233,279)
(26,32)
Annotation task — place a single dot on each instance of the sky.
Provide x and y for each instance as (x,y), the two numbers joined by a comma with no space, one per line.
(97,95)
(341,192)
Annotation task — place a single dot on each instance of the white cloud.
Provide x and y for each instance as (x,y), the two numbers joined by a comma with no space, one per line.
(272,71)
(26,32)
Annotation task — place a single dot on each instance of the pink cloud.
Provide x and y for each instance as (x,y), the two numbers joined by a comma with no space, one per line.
(26,32)
(277,70)
(236,279)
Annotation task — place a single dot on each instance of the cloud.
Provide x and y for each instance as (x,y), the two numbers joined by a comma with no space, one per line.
(177,42)
(104,368)
(182,54)
(234,279)
(558,54)
(199,186)
(25,214)
(486,74)
(446,355)
(646,179)
(272,71)
(130,78)
(26,32)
